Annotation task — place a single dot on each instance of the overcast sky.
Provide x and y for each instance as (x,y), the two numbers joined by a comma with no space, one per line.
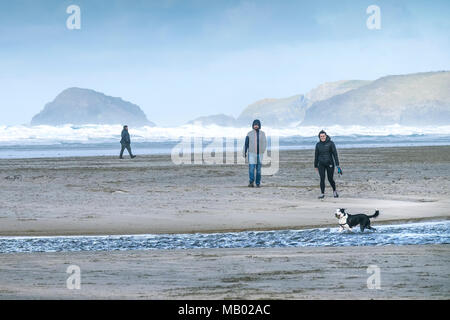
(182,59)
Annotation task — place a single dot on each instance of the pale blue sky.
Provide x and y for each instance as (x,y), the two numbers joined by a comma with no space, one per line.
(182,59)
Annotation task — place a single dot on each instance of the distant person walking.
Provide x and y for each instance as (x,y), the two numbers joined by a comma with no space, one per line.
(254,148)
(325,159)
(126,142)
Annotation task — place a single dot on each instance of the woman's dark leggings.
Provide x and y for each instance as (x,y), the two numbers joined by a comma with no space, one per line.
(330,173)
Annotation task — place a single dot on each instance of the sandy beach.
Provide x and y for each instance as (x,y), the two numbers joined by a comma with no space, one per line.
(150,194)
(105,195)
(406,272)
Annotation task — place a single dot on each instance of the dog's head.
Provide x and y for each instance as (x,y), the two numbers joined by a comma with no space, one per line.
(340,213)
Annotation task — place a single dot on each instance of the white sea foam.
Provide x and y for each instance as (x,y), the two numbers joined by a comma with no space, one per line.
(36,135)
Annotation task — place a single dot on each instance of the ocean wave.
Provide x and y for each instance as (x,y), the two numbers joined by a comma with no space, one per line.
(86,134)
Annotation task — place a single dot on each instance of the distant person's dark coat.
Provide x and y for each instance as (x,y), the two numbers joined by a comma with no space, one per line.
(125,137)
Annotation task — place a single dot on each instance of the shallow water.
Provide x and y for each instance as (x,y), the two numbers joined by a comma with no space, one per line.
(401,234)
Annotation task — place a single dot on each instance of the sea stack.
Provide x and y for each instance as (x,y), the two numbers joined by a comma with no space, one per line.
(85,106)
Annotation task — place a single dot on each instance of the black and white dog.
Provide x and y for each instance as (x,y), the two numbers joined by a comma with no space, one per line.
(348,221)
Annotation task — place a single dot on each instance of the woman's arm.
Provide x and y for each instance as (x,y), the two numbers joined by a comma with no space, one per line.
(316,157)
(334,154)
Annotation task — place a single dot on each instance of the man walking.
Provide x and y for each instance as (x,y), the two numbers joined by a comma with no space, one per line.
(126,142)
(255,146)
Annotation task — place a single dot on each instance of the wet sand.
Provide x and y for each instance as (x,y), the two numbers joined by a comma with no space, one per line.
(105,195)
(406,272)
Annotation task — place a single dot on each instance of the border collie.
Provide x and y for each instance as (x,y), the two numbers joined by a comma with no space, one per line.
(348,221)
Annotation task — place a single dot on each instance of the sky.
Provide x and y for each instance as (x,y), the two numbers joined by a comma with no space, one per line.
(181,59)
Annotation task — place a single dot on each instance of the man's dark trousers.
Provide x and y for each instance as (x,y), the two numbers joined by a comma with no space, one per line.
(125,146)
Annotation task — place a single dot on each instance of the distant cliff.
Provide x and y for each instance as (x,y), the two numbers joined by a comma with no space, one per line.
(85,106)
(285,111)
(275,112)
(412,99)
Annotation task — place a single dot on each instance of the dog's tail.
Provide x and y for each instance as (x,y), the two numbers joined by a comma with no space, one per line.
(376,214)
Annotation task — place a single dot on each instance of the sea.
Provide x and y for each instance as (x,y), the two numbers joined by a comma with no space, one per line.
(24,141)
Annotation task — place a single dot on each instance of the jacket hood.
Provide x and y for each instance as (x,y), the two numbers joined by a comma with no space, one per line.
(256,122)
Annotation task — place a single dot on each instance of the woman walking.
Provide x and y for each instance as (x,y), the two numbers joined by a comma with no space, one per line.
(325,159)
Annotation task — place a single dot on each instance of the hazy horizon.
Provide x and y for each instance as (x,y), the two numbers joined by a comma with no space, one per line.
(179,60)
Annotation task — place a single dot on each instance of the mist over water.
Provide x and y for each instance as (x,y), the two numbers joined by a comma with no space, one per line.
(97,140)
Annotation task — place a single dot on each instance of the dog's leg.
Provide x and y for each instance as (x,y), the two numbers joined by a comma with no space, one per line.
(368,226)
(341,229)
(361,227)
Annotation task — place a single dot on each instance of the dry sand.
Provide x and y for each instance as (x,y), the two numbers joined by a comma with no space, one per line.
(104,195)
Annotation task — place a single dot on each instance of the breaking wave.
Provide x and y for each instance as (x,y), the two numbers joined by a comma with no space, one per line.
(48,135)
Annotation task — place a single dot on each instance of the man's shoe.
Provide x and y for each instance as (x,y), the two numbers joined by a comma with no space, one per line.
(321,196)
(258,186)
(251,185)
(133,156)
(335,194)
(120,157)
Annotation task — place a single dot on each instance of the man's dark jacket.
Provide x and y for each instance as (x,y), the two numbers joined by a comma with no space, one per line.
(125,137)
